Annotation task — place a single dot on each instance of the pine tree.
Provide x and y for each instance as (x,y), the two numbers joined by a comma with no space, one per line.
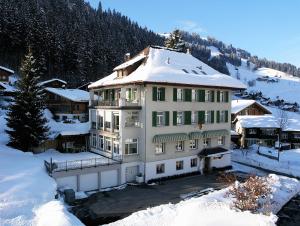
(25,119)
(175,41)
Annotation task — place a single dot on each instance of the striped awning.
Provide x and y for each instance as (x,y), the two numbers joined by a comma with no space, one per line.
(163,138)
(215,133)
(195,135)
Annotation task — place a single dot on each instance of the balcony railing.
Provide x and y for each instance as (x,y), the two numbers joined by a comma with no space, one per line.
(115,103)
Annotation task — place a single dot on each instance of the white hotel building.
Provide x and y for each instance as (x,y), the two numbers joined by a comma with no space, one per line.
(162,113)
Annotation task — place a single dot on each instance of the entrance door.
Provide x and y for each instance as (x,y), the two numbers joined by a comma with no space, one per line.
(206,164)
(131,173)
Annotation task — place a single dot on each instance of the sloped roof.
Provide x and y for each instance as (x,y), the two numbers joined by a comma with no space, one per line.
(6,69)
(7,87)
(257,121)
(239,105)
(52,80)
(76,95)
(167,66)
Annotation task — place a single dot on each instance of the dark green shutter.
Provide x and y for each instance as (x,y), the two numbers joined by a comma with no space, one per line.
(154,114)
(218,96)
(226,116)
(174,118)
(201,117)
(174,94)
(226,96)
(112,91)
(212,117)
(154,93)
(188,95)
(187,118)
(212,96)
(218,116)
(167,118)
(129,93)
(163,94)
(201,95)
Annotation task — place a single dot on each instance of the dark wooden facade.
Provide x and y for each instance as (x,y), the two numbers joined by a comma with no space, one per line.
(4,75)
(253,109)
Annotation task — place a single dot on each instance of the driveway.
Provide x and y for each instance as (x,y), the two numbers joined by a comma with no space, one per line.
(121,203)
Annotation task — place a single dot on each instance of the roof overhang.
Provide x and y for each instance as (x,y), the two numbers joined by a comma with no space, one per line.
(213,152)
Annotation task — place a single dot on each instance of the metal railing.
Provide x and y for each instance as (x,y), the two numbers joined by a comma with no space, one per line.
(115,103)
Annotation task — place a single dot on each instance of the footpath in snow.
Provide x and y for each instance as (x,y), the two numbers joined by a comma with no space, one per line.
(289,161)
(215,209)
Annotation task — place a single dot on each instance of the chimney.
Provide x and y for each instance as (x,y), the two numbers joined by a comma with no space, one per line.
(126,57)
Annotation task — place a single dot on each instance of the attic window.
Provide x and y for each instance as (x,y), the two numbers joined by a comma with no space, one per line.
(203,72)
(200,67)
(185,70)
(195,72)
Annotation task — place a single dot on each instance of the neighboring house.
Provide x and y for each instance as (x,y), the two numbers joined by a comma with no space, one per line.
(247,107)
(5,73)
(257,129)
(54,83)
(67,104)
(72,141)
(163,113)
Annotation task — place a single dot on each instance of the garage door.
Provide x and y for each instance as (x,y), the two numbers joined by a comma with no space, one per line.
(131,173)
(109,178)
(70,182)
(88,182)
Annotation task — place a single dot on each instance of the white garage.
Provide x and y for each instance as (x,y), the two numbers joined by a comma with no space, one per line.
(88,182)
(109,178)
(70,181)
(131,173)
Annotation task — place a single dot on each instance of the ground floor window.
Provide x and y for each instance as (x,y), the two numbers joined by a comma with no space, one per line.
(193,144)
(116,147)
(179,146)
(108,144)
(179,165)
(221,140)
(194,162)
(131,146)
(101,142)
(159,148)
(160,168)
(94,140)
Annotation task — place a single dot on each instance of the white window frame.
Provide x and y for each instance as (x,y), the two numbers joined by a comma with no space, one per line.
(193,144)
(194,95)
(221,140)
(252,131)
(108,143)
(116,151)
(101,142)
(222,116)
(206,142)
(179,94)
(160,148)
(207,117)
(94,140)
(180,118)
(179,146)
(128,143)
(160,118)
(194,117)
(208,96)
(222,96)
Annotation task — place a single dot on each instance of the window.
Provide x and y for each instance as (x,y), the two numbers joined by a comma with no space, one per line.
(100,122)
(206,142)
(209,117)
(179,146)
(252,131)
(194,162)
(160,119)
(108,144)
(268,132)
(180,94)
(284,136)
(179,118)
(159,148)
(116,122)
(179,165)
(101,142)
(131,94)
(93,125)
(207,96)
(132,119)
(221,140)
(160,168)
(222,116)
(195,72)
(161,94)
(194,117)
(194,95)
(94,140)
(131,146)
(193,144)
(116,147)
(186,71)
(107,125)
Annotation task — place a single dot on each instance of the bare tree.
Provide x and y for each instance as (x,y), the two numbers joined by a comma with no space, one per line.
(282,121)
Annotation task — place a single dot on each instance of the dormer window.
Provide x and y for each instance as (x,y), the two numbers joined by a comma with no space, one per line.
(185,70)
(195,72)
(120,73)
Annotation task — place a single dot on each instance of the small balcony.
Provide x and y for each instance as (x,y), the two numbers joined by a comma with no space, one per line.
(119,103)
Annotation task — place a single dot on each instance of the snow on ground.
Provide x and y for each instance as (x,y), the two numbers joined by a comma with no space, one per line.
(214,51)
(284,88)
(214,209)
(289,161)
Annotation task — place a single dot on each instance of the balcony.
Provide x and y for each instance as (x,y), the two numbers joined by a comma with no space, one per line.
(117,104)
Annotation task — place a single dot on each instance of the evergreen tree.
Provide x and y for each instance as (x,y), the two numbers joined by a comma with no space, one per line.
(25,119)
(174,41)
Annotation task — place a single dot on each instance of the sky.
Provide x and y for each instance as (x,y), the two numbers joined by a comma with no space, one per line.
(266,28)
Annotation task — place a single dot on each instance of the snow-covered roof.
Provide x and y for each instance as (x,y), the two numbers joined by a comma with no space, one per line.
(76,95)
(168,66)
(52,80)
(239,105)
(7,87)
(257,121)
(6,69)
(130,62)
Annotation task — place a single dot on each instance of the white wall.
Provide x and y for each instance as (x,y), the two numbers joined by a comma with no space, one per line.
(222,162)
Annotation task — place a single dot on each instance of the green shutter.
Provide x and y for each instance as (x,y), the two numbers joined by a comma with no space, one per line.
(163,94)
(174,118)
(226,97)
(154,114)
(226,116)
(129,93)
(174,94)
(201,95)
(212,96)
(187,118)
(154,93)
(218,96)
(201,117)
(188,95)
(112,91)
(167,118)
(218,116)
(212,117)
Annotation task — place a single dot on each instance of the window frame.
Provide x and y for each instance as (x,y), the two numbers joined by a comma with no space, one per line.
(180,94)
(206,142)
(160,148)
(160,168)
(194,162)
(221,140)
(128,143)
(193,146)
(179,165)
(179,145)
(180,118)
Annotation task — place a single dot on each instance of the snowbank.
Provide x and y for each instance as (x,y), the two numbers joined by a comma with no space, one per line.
(214,209)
